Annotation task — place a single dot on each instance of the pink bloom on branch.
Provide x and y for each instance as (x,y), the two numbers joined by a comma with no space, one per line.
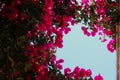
(67,30)
(100,7)
(107,32)
(84,29)
(59,66)
(59,61)
(85,1)
(48,7)
(98,77)
(58,40)
(110,45)
(100,11)
(53,59)
(103,40)
(101,28)
(76,70)
(88,73)
(94,31)
(47,19)
(82,72)
(67,72)
(41,69)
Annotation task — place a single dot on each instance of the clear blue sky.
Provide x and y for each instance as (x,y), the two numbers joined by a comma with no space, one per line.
(87,52)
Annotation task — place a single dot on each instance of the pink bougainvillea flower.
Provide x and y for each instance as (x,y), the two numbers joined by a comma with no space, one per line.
(59,61)
(85,1)
(103,40)
(59,66)
(53,59)
(110,45)
(47,19)
(98,77)
(84,29)
(58,40)
(76,70)
(94,31)
(101,28)
(82,72)
(48,7)
(107,32)
(88,72)
(67,72)
(67,30)
(41,69)
(100,11)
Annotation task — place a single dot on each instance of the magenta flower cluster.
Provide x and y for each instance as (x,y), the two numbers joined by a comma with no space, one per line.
(41,25)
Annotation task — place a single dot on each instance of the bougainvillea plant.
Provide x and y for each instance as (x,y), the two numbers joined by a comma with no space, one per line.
(32,30)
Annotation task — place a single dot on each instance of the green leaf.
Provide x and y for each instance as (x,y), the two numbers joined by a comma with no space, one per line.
(27,67)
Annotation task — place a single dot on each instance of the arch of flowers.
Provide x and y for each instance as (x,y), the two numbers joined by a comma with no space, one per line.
(32,30)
